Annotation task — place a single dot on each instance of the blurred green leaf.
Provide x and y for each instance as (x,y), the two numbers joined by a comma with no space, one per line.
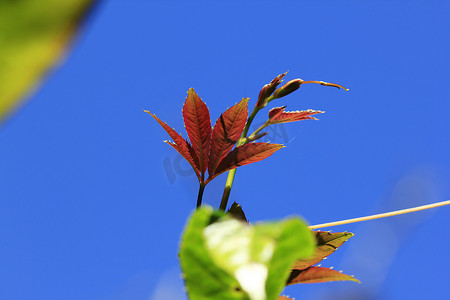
(225,258)
(33,37)
(294,241)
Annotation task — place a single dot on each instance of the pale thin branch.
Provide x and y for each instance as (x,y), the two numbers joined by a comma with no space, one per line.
(383,215)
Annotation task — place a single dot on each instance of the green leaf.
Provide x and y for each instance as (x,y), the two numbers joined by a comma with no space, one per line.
(327,243)
(225,258)
(33,36)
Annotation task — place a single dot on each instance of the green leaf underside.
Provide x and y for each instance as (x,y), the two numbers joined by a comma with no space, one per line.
(226,132)
(33,37)
(277,115)
(180,145)
(246,154)
(198,127)
(318,274)
(237,212)
(236,257)
(327,243)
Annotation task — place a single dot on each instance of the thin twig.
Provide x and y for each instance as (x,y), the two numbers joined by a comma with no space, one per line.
(383,215)
(251,136)
(200,194)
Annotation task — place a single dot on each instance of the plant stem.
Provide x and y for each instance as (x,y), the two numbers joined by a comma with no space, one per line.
(227,190)
(383,215)
(257,131)
(232,173)
(200,194)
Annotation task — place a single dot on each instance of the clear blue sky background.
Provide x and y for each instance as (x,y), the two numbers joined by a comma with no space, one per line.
(93,202)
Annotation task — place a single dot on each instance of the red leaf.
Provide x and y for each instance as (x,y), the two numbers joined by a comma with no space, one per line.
(237,212)
(327,243)
(244,155)
(276,111)
(180,144)
(198,126)
(284,298)
(226,132)
(277,115)
(317,274)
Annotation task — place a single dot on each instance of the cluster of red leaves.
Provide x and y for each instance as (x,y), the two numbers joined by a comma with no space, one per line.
(210,148)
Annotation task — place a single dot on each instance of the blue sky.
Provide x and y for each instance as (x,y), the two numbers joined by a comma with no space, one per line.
(93,202)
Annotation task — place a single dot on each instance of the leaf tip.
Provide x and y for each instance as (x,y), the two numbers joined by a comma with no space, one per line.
(147,111)
(191,90)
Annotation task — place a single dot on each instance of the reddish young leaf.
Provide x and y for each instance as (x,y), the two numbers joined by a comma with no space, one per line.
(237,212)
(277,115)
(284,298)
(226,132)
(198,126)
(327,243)
(268,90)
(276,111)
(317,274)
(244,155)
(180,144)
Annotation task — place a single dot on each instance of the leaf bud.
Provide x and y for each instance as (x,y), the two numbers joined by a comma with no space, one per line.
(288,88)
(268,90)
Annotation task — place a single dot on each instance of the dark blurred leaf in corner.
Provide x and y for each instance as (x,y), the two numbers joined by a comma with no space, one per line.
(33,37)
